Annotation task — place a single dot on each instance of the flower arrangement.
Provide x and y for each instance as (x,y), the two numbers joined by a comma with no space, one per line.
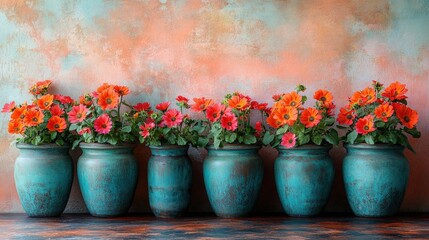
(165,125)
(97,117)
(293,125)
(229,122)
(378,115)
(44,120)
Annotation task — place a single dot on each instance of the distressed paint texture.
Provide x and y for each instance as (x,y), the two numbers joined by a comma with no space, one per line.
(161,49)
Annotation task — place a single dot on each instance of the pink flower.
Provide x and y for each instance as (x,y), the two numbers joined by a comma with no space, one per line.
(288,140)
(145,129)
(78,113)
(163,106)
(103,124)
(84,130)
(213,112)
(142,106)
(56,110)
(172,118)
(229,122)
(8,107)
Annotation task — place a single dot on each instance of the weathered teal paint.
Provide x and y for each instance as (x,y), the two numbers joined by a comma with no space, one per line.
(233,177)
(169,175)
(304,178)
(375,178)
(43,179)
(107,178)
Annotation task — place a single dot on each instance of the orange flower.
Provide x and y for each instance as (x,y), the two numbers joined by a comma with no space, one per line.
(384,112)
(19,113)
(40,87)
(406,115)
(122,90)
(286,115)
(56,124)
(346,116)
(108,99)
(364,97)
(292,99)
(16,127)
(201,104)
(355,99)
(310,117)
(365,125)
(396,91)
(103,87)
(85,100)
(239,103)
(33,117)
(324,96)
(45,101)
(273,122)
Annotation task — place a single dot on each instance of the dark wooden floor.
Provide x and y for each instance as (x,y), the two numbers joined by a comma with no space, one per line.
(210,227)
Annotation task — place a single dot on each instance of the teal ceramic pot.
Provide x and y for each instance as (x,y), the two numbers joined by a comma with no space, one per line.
(233,177)
(43,178)
(304,176)
(375,178)
(169,175)
(107,177)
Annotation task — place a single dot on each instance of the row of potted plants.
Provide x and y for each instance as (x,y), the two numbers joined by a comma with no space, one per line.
(106,128)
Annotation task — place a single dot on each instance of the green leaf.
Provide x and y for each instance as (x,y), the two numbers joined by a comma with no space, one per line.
(369,139)
(351,137)
(413,132)
(230,137)
(202,142)
(126,129)
(217,143)
(330,121)
(76,143)
(282,130)
(332,137)
(166,130)
(53,135)
(303,139)
(380,124)
(112,141)
(317,139)
(249,139)
(392,138)
(181,141)
(268,138)
(73,127)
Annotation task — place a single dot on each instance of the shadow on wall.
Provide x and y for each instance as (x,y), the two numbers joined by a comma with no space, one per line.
(268,201)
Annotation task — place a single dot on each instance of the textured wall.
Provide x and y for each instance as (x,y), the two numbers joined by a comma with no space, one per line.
(202,47)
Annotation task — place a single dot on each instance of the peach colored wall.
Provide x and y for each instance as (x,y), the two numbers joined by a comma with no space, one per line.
(164,48)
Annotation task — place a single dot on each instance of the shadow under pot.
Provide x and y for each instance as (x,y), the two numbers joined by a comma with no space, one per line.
(233,177)
(107,177)
(375,178)
(304,176)
(43,178)
(169,175)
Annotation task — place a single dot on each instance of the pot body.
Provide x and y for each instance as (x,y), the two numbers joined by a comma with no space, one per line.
(169,180)
(107,177)
(304,178)
(43,178)
(233,177)
(375,178)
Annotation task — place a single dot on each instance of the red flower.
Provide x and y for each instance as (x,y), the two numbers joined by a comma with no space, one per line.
(141,106)
(63,99)
(9,107)
(172,118)
(365,125)
(396,91)
(346,116)
(258,106)
(103,124)
(288,140)
(406,115)
(229,122)
(384,112)
(277,97)
(108,99)
(78,114)
(213,112)
(56,124)
(258,129)
(163,106)
(145,129)
(56,110)
(310,117)
(182,99)
(84,130)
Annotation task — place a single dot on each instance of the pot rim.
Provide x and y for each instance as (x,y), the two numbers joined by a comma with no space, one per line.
(235,147)
(41,146)
(106,145)
(306,147)
(373,146)
(169,146)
